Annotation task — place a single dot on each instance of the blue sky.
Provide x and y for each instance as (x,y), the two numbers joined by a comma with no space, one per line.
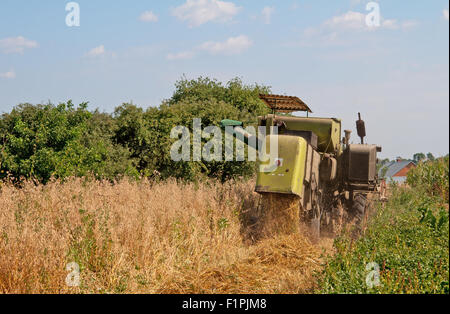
(396,74)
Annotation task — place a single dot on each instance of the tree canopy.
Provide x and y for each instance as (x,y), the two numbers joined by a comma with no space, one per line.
(44,141)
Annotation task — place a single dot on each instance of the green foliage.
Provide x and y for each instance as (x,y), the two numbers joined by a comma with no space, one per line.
(381,165)
(91,241)
(434,222)
(147,134)
(419,157)
(408,237)
(432,177)
(223,224)
(44,141)
(245,98)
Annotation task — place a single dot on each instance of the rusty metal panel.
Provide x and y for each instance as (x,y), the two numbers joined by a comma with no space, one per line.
(284,104)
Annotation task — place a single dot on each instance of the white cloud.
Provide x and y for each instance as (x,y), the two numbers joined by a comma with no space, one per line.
(409,24)
(8,75)
(96,52)
(445,13)
(16,44)
(357,21)
(394,24)
(148,16)
(335,31)
(233,45)
(349,20)
(198,12)
(185,55)
(267,14)
(389,24)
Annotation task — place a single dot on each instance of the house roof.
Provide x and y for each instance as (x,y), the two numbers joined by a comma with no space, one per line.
(394,167)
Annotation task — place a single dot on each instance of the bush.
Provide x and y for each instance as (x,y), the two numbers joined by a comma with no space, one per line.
(408,238)
(47,141)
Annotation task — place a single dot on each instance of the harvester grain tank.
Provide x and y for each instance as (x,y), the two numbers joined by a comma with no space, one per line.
(315,164)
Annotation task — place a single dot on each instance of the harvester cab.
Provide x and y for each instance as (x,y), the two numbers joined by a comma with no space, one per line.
(325,172)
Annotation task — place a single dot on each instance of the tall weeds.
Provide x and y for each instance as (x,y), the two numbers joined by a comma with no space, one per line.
(432,177)
(144,237)
(407,239)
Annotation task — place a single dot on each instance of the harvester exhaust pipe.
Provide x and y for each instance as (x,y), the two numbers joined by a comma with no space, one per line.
(361,127)
(347,137)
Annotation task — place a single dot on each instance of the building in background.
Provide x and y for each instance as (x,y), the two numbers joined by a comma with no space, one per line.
(396,171)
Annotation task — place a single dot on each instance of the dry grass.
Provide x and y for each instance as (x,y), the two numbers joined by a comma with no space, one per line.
(145,238)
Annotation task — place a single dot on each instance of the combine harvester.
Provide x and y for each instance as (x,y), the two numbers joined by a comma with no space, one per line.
(318,176)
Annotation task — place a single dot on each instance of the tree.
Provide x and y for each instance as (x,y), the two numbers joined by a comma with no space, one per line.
(430,157)
(382,164)
(211,101)
(385,161)
(147,133)
(43,141)
(384,172)
(419,157)
(243,97)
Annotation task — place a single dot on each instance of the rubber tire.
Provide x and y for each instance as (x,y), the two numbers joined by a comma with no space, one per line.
(359,210)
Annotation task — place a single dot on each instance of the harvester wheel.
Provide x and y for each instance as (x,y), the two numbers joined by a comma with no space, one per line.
(359,210)
(316,216)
